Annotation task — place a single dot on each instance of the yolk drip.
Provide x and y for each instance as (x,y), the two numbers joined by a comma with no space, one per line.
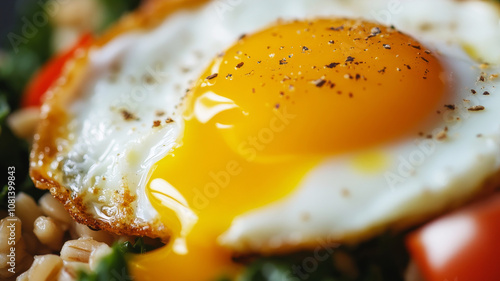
(265,112)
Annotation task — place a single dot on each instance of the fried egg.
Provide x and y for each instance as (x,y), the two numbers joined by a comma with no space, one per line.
(242,127)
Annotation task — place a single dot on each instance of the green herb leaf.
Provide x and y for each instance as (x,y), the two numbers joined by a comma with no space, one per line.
(114,9)
(114,266)
(139,247)
(111,267)
(383,258)
(4,109)
(3,195)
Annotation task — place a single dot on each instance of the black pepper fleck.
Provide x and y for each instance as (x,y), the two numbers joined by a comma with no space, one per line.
(212,76)
(338,28)
(476,108)
(128,115)
(319,83)
(376,31)
(349,59)
(332,65)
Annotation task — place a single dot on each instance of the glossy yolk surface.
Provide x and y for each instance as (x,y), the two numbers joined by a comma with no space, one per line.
(265,112)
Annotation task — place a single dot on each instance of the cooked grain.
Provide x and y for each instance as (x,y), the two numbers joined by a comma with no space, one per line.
(27,210)
(45,268)
(48,232)
(54,209)
(79,250)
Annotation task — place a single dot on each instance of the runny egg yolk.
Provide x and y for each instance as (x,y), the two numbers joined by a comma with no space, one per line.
(265,113)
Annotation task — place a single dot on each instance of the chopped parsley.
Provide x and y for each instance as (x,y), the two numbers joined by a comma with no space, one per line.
(114,266)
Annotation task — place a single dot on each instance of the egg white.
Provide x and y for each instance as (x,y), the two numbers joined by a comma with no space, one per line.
(144,75)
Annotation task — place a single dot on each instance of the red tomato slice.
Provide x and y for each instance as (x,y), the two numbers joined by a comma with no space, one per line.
(50,72)
(463,246)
